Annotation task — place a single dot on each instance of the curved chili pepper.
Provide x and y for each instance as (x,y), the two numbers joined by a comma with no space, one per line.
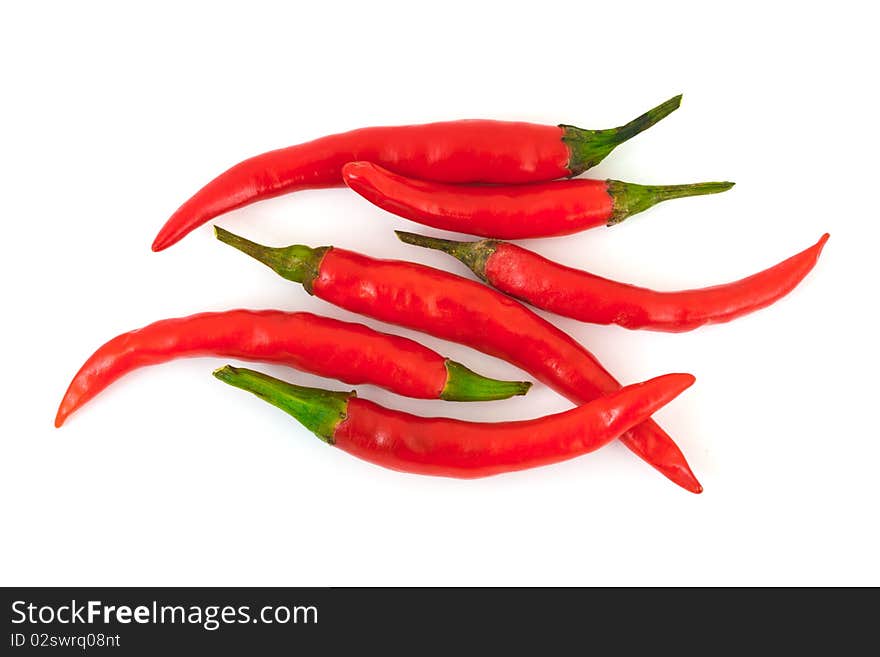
(350,352)
(455,448)
(450,151)
(454,308)
(513,211)
(581,295)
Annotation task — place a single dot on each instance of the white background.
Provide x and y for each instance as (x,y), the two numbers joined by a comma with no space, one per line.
(112,117)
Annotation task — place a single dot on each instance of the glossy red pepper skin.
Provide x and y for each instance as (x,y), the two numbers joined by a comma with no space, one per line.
(505,212)
(454,308)
(346,351)
(448,447)
(546,209)
(589,298)
(449,151)
(452,151)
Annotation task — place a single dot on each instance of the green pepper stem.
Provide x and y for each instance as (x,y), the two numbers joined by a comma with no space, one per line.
(589,147)
(473,254)
(630,198)
(648,119)
(296,263)
(463,384)
(318,410)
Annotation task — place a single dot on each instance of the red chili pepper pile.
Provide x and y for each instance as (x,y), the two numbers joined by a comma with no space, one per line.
(425,173)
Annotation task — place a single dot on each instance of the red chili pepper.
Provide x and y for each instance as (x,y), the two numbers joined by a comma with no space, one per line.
(574,293)
(353,353)
(451,151)
(513,211)
(454,308)
(454,448)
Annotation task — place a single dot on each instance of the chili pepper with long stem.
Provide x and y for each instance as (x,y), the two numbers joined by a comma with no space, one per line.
(350,352)
(450,151)
(455,448)
(457,309)
(581,295)
(542,209)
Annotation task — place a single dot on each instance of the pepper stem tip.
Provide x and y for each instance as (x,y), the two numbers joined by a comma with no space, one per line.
(473,254)
(589,147)
(630,198)
(318,410)
(428,242)
(463,384)
(297,262)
